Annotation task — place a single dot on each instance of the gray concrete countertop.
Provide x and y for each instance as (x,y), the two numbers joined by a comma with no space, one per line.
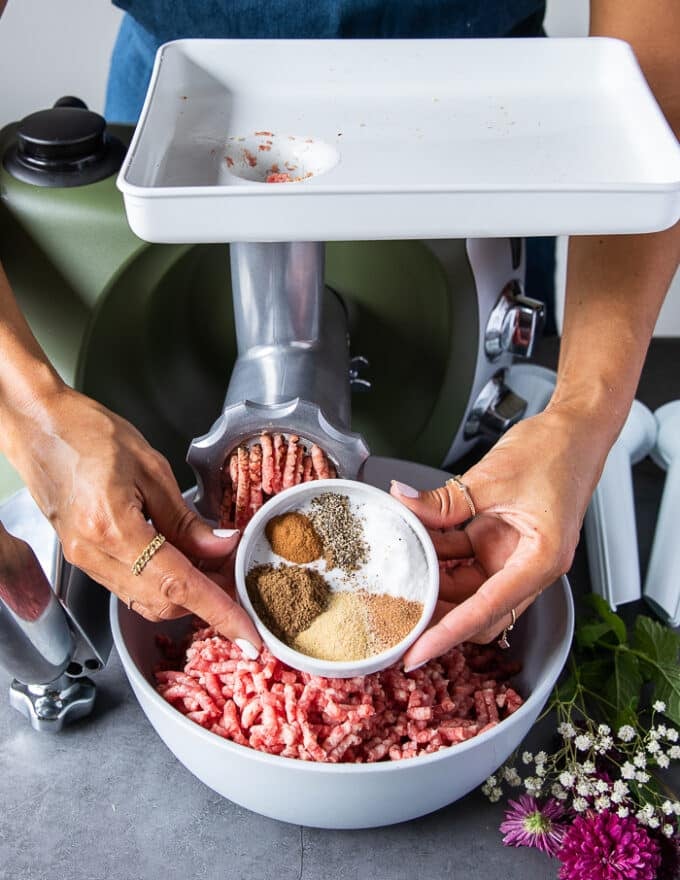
(106,800)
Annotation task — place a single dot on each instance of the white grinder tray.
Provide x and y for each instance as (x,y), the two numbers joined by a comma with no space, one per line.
(398,139)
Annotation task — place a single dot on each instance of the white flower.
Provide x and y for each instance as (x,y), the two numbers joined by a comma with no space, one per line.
(541,757)
(604,729)
(622,812)
(626,733)
(511,776)
(648,810)
(580,804)
(662,730)
(674,753)
(641,776)
(558,792)
(495,795)
(653,822)
(653,747)
(604,744)
(667,808)
(527,757)
(672,735)
(676,808)
(667,830)
(653,733)
(588,767)
(628,771)
(663,761)
(602,803)
(533,783)
(583,742)
(640,760)
(491,781)
(640,816)
(619,792)
(566,730)
(540,770)
(659,706)
(601,786)
(583,788)
(567,779)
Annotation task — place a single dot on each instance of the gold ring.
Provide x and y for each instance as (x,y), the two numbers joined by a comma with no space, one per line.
(456,481)
(128,602)
(503,641)
(152,547)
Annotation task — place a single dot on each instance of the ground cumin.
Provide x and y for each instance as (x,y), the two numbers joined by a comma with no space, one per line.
(287,598)
(390,619)
(292,536)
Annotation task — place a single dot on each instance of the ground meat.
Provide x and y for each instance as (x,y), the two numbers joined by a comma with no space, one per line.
(389,715)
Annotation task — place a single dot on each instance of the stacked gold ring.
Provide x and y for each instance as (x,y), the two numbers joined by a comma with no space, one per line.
(151,548)
(456,481)
(503,640)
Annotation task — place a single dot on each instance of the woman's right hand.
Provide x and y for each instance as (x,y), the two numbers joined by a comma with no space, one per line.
(107,493)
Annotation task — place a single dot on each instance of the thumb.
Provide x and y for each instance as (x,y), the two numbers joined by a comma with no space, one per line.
(437,508)
(185,529)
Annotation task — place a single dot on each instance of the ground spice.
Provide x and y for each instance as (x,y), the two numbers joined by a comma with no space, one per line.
(287,598)
(390,619)
(292,536)
(339,633)
(340,531)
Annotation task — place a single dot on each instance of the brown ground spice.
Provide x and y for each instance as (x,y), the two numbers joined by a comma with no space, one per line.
(390,619)
(292,536)
(287,598)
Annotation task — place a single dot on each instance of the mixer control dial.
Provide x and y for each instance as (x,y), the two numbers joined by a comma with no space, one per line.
(357,382)
(496,409)
(515,323)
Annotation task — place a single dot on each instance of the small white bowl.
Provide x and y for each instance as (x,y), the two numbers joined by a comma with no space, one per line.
(295,498)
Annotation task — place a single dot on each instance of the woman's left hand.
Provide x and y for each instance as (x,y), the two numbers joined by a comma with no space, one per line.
(530,493)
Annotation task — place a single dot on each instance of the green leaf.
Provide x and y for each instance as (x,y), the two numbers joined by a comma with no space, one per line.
(590,633)
(623,688)
(593,672)
(655,640)
(604,612)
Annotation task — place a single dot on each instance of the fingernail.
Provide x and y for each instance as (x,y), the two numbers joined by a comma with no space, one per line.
(415,666)
(225,533)
(403,489)
(248,648)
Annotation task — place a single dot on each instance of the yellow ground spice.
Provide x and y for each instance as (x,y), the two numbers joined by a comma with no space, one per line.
(292,536)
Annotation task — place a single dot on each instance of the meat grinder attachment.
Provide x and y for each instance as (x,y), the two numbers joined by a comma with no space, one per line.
(292,372)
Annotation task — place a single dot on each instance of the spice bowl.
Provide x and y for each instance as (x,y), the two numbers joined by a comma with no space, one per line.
(377,564)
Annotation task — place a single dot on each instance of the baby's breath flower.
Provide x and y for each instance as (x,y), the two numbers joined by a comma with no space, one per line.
(495,795)
(672,735)
(583,742)
(659,706)
(511,776)
(541,757)
(653,733)
(663,761)
(648,810)
(566,730)
(601,786)
(674,753)
(626,733)
(533,783)
(661,729)
(604,729)
(619,791)
(583,788)
(653,822)
(640,760)
(640,816)
(588,767)
(628,771)
(653,747)
(642,776)
(602,803)
(604,744)
(558,792)
(667,830)
(567,779)
(580,804)
(527,757)
(676,808)
(622,812)
(667,808)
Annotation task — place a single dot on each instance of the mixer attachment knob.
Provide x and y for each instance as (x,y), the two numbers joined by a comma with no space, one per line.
(496,409)
(515,323)
(357,382)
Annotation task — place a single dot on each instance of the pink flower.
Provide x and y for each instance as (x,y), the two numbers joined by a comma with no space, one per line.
(603,846)
(528,824)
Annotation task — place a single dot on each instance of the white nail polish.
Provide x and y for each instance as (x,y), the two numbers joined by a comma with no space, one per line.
(416,666)
(403,489)
(225,533)
(248,648)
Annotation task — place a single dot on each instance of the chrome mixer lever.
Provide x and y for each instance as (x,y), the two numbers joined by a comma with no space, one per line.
(496,409)
(515,323)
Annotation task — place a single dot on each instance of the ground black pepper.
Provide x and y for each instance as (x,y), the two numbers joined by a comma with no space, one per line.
(340,531)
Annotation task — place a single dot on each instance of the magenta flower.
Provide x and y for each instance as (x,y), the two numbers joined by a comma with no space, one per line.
(603,846)
(528,824)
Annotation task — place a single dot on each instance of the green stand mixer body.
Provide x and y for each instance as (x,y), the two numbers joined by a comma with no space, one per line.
(148,330)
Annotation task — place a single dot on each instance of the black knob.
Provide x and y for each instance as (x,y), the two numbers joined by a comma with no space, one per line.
(67,145)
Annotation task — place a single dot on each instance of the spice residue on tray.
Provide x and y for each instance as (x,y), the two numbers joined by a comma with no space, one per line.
(368,561)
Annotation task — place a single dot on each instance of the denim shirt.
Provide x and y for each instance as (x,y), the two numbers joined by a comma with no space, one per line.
(149,23)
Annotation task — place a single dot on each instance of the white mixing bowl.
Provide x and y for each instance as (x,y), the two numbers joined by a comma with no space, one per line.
(350,795)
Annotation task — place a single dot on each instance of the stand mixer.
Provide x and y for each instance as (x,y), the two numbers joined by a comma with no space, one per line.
(427,329)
